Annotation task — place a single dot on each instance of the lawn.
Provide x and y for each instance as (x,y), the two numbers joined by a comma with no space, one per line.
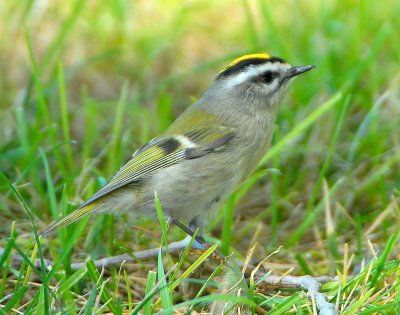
(85,83)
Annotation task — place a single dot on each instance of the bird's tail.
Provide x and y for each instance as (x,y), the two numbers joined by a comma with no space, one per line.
(72,217)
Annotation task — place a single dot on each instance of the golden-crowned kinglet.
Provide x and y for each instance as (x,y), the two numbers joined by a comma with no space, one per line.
(206,153)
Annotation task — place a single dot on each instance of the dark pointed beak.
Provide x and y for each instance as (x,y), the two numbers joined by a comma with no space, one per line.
(292,72)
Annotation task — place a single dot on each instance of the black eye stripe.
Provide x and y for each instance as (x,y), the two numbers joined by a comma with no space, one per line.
(268,76)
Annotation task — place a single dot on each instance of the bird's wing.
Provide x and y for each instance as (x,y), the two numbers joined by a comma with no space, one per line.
(166,151)
(159,153)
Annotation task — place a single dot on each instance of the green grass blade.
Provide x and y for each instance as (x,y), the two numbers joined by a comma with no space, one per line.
(90,301)
(393,240)
(286,305)
(5,259)
(50,187)
(195,265)
(99,282)
(150,286)
(227,225)
(65,117)
(16,297)
(166,298)
(37,238)
(116,136)
(66,285)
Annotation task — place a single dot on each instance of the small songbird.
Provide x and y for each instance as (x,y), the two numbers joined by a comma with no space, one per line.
(206,153)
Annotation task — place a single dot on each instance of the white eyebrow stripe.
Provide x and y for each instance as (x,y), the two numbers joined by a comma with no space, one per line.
(253,71)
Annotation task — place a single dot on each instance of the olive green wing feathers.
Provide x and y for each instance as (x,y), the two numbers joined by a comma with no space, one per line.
(166,151)
(157,154)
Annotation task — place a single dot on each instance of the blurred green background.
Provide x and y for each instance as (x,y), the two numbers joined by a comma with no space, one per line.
(84,83)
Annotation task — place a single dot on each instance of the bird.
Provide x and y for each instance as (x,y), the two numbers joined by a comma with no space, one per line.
(206,153)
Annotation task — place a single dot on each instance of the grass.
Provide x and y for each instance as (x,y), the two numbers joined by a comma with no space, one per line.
(84,84)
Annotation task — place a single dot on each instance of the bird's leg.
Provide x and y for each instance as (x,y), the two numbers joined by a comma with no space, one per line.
(199,242)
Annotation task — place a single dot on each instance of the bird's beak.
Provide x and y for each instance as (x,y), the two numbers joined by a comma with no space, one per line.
(292,72)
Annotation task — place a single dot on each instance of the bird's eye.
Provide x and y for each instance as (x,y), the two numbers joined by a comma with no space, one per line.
(268,77)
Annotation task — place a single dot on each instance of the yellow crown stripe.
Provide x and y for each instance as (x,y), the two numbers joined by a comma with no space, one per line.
(246,57)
